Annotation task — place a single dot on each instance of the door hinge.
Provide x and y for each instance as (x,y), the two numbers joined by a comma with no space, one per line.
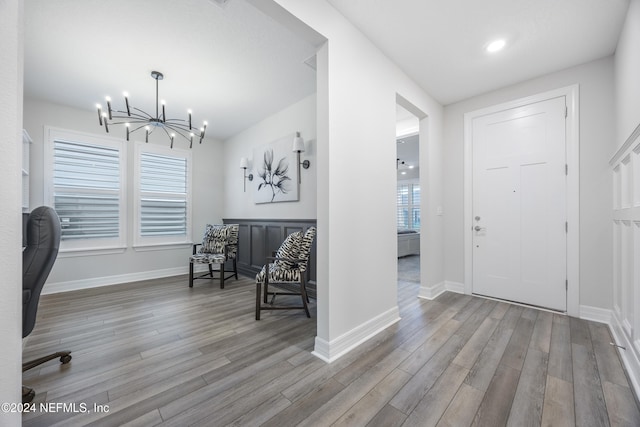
(566,226)
(566,111)
(566,169)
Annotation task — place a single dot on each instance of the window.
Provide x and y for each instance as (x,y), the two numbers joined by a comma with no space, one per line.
(409,206)
(85,182)
(163,195)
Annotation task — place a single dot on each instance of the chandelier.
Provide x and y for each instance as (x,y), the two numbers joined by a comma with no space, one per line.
(135,119)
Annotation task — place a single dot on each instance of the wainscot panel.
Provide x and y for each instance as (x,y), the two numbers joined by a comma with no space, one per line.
(258,238)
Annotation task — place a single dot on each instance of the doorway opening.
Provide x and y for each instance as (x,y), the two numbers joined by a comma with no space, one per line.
(408,214)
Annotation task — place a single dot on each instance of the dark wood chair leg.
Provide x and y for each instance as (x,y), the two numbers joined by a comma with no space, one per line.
(235,268)
(222,275)
(266,286)
(191,275)
(258,290)
(210,270)
(303,294)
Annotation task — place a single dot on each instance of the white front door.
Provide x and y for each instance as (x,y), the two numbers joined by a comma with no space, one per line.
(519,204)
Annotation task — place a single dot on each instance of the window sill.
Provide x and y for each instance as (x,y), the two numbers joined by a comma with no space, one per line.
(162,246)
(81,252)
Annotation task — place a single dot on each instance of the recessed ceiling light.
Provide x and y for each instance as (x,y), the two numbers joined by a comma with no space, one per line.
(496,45)
(403,173)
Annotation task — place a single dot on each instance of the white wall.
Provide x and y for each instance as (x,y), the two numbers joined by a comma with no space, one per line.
(625,318)
(627,68)
(356,89)
(299,117)
(86,271)
(597,142)
(11,66)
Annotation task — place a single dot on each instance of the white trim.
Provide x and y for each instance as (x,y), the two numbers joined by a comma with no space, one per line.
(162,246)
(456,287)
(95,282)
(573,187)
(624,147)
(630,357)
(138,240)
(331,351)
(442,287)
(86,247)
(431,293)
(596,314)
(80,252)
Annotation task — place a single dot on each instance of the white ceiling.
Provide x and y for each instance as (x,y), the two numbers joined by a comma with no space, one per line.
(232,65)
(440,44)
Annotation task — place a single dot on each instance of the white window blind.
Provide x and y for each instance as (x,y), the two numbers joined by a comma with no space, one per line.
(408,206)
(163,195)
(86,189)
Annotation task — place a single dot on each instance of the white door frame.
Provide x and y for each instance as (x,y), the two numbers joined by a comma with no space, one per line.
(573,187)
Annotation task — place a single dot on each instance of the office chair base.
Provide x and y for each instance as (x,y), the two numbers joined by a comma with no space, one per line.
(65,357)
(28,394)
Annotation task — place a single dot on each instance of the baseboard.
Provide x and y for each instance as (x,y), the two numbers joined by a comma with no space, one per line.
(454,287)
(94,282)
(329,351)
(630,355)
(595,314)
(433,292)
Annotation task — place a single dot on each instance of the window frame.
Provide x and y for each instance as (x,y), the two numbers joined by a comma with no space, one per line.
(411,206)
(148,243)
(90,246)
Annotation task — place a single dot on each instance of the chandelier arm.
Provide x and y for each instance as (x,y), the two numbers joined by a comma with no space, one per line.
(139,127)
(129,121)
(182,127)
(179,132)
(144,113)
(168,134)
(140,118)
(125,115)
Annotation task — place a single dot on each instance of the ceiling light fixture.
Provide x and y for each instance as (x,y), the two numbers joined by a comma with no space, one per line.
(496,45)
(138,118)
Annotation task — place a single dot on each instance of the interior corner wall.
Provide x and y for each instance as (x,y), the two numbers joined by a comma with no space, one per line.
(597,143)
(357,235)
(627,70)
(11,76)
(299,117)
(79,272)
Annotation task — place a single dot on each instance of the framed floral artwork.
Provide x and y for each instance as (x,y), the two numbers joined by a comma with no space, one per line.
(276,175)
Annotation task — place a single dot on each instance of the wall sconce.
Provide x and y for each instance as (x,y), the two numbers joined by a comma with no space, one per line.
(244,164)
(298,147)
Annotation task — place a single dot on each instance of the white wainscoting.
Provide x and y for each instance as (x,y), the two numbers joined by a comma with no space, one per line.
(625,316)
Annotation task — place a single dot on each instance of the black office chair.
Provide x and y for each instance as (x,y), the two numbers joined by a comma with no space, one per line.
(43,240)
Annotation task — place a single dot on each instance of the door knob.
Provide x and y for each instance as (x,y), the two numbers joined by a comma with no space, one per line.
(477,228)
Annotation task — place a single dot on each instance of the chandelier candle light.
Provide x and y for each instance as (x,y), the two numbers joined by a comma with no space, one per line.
(141,119)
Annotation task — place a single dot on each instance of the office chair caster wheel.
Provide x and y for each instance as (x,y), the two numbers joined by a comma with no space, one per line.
(65,359)
(28,394)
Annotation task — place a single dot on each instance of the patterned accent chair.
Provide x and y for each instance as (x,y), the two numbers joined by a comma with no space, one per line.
(219,245)
(287,273)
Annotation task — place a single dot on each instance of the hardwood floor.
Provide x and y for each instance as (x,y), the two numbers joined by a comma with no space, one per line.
(159,353)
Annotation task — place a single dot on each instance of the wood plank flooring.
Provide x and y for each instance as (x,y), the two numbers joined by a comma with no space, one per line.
(157,353)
